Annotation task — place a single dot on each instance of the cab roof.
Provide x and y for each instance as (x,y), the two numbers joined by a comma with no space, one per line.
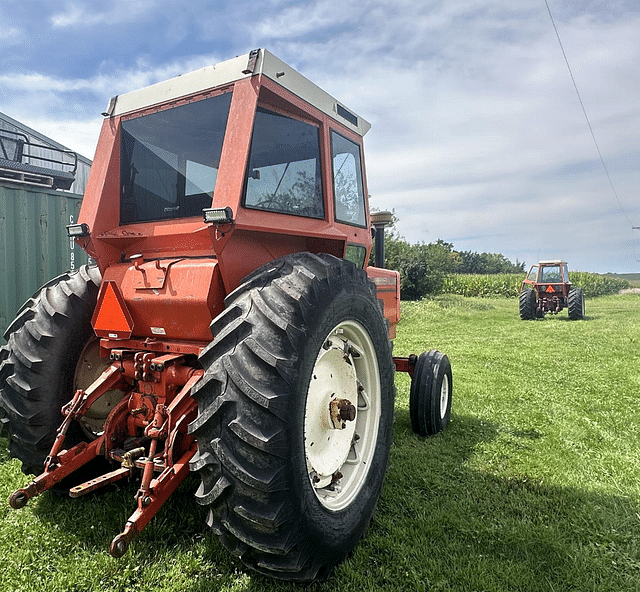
(258,61)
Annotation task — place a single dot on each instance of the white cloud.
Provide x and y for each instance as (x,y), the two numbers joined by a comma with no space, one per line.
(477,136)
(59,108)
(308,18)
(10,36)
(83,14)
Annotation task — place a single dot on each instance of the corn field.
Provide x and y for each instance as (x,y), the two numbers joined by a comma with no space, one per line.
(508,285)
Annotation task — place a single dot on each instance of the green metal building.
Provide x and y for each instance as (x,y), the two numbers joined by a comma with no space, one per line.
(41,189)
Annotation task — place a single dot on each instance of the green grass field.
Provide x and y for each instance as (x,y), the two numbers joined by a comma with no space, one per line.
(535,485)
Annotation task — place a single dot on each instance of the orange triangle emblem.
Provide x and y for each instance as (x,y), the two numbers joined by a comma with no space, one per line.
(111,317)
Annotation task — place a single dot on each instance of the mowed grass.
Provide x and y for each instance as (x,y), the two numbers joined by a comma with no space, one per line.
(534,486)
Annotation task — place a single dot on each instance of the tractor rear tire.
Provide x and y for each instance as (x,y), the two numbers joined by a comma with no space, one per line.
(38,364)
(289,492)
(431,393)
(575,304)
(527,303)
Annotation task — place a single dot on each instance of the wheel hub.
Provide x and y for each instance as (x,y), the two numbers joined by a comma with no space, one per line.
(444,396)
(328,436)
(341,415)
(90,366)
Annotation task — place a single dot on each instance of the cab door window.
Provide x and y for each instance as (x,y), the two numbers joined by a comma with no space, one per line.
(348,188)
(284,172)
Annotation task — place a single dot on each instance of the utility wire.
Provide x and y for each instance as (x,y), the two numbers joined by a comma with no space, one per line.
(604,166)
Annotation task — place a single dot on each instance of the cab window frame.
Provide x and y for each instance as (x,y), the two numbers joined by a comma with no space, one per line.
(254,173)
(358,178)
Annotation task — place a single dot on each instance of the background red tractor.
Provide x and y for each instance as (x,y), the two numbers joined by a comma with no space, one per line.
(230,326)
(547,289)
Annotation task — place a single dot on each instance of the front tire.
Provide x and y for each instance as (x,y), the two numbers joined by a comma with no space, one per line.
(431,393)
(291,488)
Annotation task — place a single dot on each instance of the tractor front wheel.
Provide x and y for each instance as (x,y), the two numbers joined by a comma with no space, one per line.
(431,393)
(295,415)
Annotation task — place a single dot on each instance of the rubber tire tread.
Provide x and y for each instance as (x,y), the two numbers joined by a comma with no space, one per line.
(424,394)
(575,304)
(527,304)
(253,474)
(37,365)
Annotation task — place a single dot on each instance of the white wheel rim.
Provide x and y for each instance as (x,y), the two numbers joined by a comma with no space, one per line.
(444,396)
(338,460)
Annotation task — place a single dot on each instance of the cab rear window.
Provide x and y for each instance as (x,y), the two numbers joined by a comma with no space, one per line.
(170,159)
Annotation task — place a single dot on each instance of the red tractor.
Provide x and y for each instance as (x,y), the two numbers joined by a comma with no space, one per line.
(230,327)
(547,289)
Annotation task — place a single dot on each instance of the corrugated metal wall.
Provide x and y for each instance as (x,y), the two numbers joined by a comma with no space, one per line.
(34,246)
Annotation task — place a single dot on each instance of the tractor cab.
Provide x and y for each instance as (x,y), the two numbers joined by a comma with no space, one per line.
(549,276)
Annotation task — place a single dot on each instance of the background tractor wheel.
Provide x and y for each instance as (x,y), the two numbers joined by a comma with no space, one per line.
(40,362)
(527,303)
(295,415)
(431,393)
(575,304)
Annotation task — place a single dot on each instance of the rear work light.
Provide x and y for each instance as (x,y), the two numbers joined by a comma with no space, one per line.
(77,230)
(218,215)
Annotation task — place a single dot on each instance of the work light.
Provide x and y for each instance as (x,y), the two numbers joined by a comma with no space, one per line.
(218,215)
(77,230)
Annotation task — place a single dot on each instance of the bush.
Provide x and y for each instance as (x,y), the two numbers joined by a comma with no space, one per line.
(417,279)
(594,284)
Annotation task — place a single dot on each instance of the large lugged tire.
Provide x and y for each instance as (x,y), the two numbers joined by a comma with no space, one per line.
(575,304)
(527,302)
(290,492)
(38,364)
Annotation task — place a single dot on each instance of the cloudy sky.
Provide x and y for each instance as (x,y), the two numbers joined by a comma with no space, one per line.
(478,136)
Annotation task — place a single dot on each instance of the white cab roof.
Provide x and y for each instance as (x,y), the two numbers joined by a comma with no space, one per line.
(231,71)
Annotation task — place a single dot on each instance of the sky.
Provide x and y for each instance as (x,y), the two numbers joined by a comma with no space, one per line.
(478,135)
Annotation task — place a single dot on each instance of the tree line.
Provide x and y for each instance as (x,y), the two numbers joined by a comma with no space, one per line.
(423,267)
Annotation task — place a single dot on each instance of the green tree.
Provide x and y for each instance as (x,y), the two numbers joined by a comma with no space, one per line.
(424,266)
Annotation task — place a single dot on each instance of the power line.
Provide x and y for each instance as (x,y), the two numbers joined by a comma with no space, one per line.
(604,166)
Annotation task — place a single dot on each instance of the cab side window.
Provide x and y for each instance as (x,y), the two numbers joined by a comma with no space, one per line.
(284,172)
(347,180)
